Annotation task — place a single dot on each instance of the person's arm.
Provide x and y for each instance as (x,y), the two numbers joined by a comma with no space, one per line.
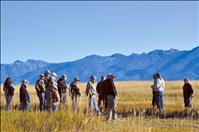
(87,88)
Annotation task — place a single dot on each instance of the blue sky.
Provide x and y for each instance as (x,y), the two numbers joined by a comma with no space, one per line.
(66,31)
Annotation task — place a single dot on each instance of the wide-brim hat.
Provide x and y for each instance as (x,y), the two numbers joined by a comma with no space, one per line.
(76,79)
(25,81)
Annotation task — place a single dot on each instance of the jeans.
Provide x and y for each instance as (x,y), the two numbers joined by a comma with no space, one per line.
(42,101)
(112,107)
(25,106)
(93,102)
(8,101)
(159,100)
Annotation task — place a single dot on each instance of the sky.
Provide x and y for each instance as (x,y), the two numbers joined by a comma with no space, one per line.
(67,31)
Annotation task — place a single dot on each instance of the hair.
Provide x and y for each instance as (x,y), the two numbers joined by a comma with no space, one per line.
(158,75)
(7,81)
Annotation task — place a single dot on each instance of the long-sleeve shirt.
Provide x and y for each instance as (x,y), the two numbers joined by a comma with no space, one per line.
(91,88)
(187,90)
(159,85)
(62,87)
(109,87)
(9,90)
(24,95)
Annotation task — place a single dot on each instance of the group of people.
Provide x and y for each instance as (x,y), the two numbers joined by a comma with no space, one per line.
(53,95)
(158,88)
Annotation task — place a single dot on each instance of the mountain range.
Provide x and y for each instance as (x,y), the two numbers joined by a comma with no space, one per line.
(173,64)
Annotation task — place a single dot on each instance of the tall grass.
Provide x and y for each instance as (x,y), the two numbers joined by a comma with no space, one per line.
(131,96)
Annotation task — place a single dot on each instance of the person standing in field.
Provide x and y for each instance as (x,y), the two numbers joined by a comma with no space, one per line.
(187,93)
(101,93)
(62,88)
(46,76)
(154,104)
(75,94)
(91,93)
(24,96)
(40,89)
(111,95)
(9,92)
(51,94)
(159,86)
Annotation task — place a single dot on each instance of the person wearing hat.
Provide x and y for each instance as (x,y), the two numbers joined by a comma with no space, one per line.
(62,88)
(187,93)
(52,94)
(24,96)
(101,95)
(75,94)
(9,92)
(111,93)
(40,89)
(91,93)
(46,76)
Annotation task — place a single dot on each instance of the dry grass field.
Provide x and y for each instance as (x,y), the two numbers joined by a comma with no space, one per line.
(134,100)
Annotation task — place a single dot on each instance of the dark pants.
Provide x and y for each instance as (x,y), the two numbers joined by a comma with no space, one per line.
(187,102)
(159,100)
(153,99)
(100,100)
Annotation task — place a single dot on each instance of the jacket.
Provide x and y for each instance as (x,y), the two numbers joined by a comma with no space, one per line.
(24,95)
(9,90)
(109,87)
(187,90)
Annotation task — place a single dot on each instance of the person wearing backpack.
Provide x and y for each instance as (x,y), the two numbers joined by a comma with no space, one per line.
(9,92)
(75,94)
(40,89)
(91,93)
(24,96)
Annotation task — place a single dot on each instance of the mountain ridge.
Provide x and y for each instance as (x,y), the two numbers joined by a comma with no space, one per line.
(173,64)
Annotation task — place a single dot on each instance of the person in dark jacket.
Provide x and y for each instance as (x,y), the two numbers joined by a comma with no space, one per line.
(111,95)
(24,96)
(40,89)
(187,93)
(62,88)
(9,92)
(101,95)
(154,104)
(75,94)
(46,76)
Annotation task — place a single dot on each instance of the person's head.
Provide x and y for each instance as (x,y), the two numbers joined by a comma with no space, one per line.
(158,75)
(186,80)
(8,81)
(76,80)
(25,82)
(42,76)
(111,76)
(47,73)
(93,78)
(103,78)
(64,77)
(154,76)
(53,76)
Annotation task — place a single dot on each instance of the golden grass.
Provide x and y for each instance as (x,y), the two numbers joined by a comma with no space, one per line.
(131,95)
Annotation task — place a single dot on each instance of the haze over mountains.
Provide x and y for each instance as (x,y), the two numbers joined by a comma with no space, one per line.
(172,64)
